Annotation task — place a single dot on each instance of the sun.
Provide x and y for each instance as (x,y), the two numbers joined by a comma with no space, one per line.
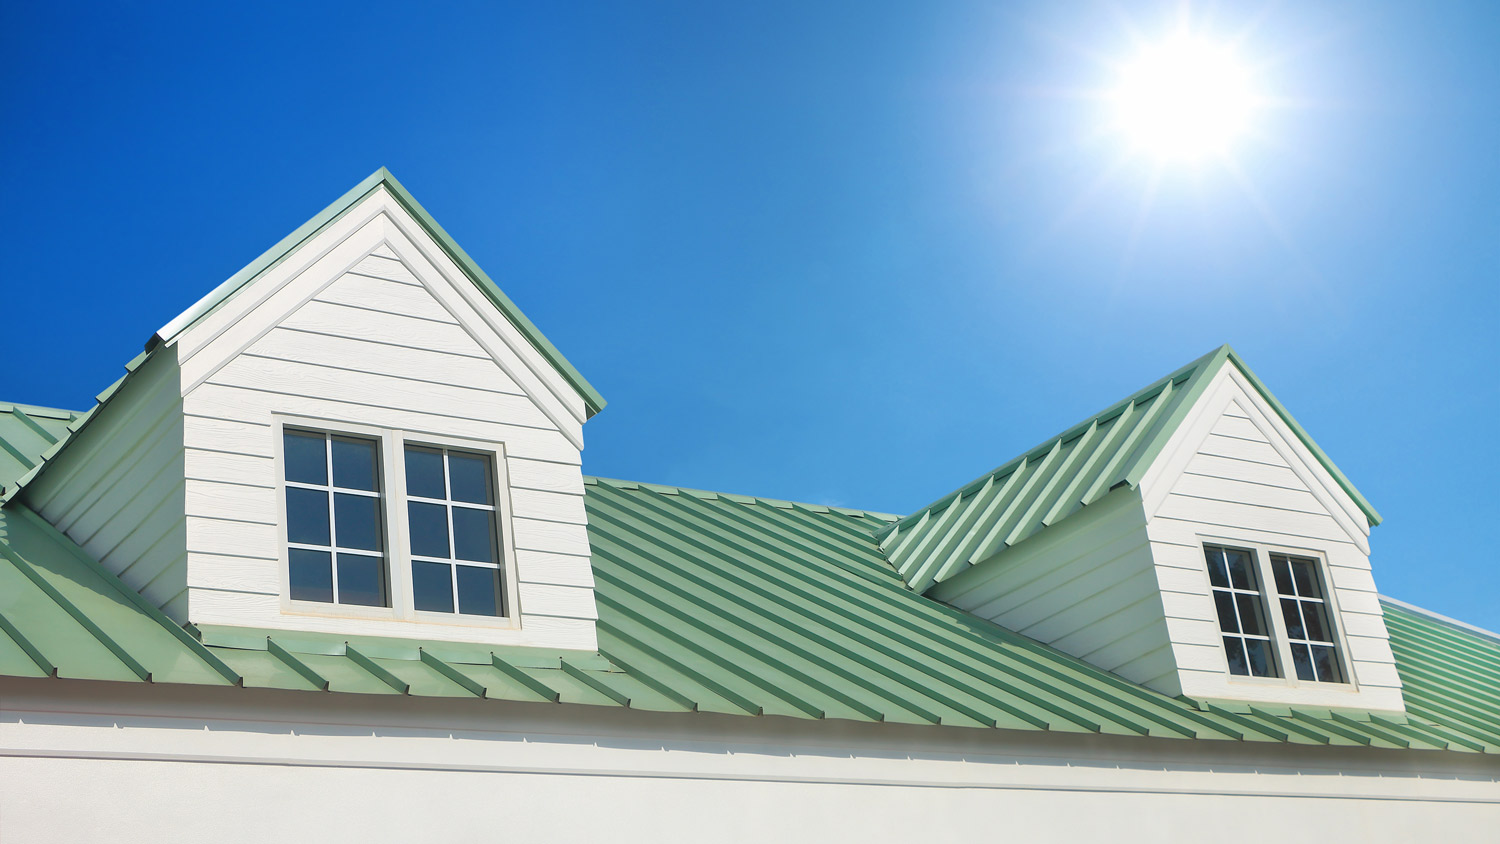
(1185,98)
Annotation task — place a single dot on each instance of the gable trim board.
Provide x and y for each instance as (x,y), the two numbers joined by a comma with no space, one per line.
(330,216)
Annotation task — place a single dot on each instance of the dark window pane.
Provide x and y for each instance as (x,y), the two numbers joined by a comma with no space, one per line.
(306,516)
(354,464)
(1303,660)
(1235,651)
(1216,572)
(470,478)
(1260,658)
(1224,603)
(1317,623)
(306,462)
(429,529)
(424,473)
(1327,664)
(478,591)
(361,580)
(1279,565)
(1292,618)
(1239,569)
(311,575)
(357,520)
(1307,579)
(472,537)
(432,586)
(1250,618)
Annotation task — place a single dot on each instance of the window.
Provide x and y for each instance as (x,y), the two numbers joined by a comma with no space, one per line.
(427,542)
(1309,627)
(1242,611)
(455,564)
(1256,644)
(335,541)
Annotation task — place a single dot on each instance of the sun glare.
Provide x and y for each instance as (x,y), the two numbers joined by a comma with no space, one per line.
(1185,98)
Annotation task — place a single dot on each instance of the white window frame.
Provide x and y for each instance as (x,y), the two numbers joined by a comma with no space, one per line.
(1280,640)
(392,451)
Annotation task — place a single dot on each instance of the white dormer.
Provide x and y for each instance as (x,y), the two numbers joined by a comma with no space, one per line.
(1192,539)
(356,434)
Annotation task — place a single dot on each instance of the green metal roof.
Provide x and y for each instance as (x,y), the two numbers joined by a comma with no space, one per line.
(728,604)
(27,432)
(1064,474)
(273,256)
(36,453)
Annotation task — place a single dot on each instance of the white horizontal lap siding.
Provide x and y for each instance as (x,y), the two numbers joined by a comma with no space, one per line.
(117,488)
(376,348)
(1086,586)
(1237,485)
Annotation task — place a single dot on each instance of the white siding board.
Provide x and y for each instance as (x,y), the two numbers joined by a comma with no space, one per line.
(556,569)
(548,506)
(375,294)
(533,535)
(225,536)
(1240,492)
(226,467)
(341,321)
(383,359)
(369,390)
(543,599)
(1238,449)
(235,436)
(383,263)
(1246,471)
(241,502)
(544,476)
(237,574)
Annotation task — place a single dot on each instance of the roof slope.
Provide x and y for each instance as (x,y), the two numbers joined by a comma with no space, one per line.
(1064,474)
(27,432)
(719,603)
(593,401)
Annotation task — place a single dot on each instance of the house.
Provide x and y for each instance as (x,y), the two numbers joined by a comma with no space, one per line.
(325,565)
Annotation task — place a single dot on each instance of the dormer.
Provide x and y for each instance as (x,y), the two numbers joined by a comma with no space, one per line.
(1192,538)
(358,433)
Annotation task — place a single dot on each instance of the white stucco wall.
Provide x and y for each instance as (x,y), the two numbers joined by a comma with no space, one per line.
(88,761)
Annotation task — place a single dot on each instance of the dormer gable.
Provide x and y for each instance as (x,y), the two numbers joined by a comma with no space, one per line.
(450,431)
(1109,542)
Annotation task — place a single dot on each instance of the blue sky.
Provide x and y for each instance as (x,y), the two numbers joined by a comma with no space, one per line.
(842,253)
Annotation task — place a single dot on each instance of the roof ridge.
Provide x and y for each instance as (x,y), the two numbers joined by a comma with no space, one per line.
(670,489)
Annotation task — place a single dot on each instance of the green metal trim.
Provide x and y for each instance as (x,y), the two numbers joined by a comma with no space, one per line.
(384,676)
(537,687)
(594,683)
(467,683)
(31,650)
(317,680)
(593,401)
